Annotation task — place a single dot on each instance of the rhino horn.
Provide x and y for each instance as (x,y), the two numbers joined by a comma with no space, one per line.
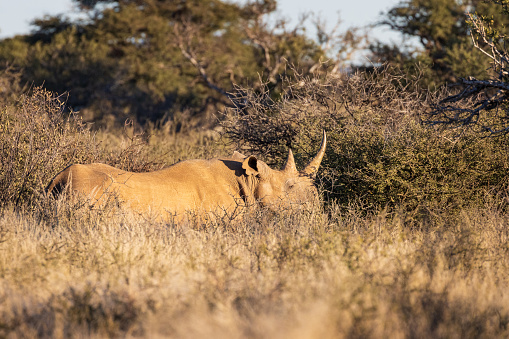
(290,163)
(312,168)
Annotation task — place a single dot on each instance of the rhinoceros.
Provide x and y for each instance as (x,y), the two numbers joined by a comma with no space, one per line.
(197,186)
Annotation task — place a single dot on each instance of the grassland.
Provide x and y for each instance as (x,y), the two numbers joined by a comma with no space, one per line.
(77,272)
(406,265)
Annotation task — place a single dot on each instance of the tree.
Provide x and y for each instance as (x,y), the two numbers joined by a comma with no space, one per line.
(437,39)
(482,104)
(148,59)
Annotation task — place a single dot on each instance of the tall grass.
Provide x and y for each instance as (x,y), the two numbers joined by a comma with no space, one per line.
(70,270)
(39,138)
(267,276)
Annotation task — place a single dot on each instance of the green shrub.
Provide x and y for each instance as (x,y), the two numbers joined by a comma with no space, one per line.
(379,154)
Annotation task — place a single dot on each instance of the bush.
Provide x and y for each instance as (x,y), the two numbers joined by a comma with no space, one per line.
(38,139)
(379,154)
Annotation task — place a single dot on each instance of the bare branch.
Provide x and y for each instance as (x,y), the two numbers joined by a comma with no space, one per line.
(499,57)
(183,35)
(260,35)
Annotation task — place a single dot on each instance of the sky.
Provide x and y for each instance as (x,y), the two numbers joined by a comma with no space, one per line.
(16,15)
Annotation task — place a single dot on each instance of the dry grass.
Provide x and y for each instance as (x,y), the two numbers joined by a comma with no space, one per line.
(39,138)
(135,149)
(71,271)
(299,275)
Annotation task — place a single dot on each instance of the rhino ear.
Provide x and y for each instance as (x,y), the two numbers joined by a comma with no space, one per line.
(253,166)
(238,156)
(250,165)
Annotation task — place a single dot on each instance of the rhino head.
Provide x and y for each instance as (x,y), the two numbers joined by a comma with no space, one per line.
(281,188)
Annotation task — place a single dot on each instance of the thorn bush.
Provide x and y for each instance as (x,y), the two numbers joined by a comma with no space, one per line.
(379,154)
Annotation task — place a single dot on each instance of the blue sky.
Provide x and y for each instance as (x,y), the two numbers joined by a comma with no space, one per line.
(15,15)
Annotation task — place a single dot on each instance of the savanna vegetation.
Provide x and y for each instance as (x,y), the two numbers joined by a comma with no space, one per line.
(410,239)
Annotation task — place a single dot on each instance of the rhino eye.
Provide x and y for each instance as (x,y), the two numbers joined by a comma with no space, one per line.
(290,184)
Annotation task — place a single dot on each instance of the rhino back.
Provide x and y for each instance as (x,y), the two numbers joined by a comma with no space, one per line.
(188,185)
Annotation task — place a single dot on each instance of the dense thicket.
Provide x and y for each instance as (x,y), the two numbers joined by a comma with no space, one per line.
(165,60)
(379,153)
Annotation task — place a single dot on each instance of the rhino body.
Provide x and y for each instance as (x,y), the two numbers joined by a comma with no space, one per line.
(217,186)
